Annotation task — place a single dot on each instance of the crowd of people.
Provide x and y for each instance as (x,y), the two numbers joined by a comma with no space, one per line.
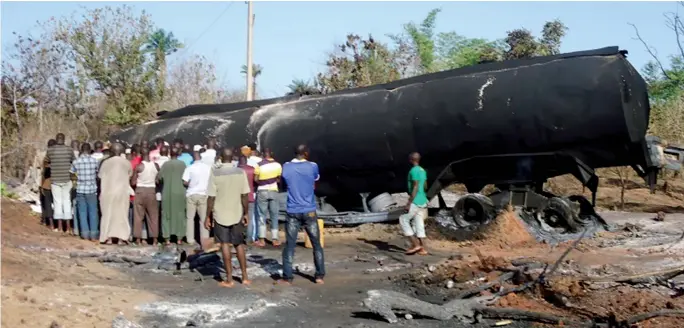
(159,192)
(154,192)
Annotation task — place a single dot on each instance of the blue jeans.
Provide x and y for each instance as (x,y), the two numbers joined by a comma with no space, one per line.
(267,201)
(310,223)
(251,227)
(88,217)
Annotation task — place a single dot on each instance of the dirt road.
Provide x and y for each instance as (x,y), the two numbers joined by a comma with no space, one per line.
(38,276)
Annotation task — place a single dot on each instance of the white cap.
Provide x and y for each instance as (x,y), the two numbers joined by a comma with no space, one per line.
(128,150)
(196,148)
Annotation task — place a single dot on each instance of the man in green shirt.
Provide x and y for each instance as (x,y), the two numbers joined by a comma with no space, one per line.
(416,207)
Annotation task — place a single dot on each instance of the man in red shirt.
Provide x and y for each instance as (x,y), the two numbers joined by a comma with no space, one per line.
(249,170)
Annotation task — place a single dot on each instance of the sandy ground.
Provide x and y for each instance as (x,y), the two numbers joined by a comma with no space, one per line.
(39,277)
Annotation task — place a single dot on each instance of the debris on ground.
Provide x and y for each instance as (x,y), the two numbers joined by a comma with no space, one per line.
(507,230)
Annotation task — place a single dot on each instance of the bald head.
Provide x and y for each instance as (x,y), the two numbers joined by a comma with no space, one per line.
(302,152)
(414,158)
(226,155)
(117,149)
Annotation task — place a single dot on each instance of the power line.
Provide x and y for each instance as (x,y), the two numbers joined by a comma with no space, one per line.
(186,49)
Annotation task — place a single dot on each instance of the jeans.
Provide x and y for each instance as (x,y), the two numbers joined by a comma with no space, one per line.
(416,214)
(89,219)
(61,196)
(267,201)
(310,223)
(251,227)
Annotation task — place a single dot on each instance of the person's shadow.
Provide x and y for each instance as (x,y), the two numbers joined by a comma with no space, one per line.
(382,245)
(273,267)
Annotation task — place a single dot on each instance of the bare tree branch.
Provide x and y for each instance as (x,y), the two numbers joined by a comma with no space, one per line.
(650,50)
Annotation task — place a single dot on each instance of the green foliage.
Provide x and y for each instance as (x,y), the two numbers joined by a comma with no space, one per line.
(6,193)
(521,43)
(108,45)
(256,72)
(161,44)
(359,63)
(302,87)
(420,50)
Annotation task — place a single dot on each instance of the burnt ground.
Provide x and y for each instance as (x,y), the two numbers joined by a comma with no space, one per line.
(38,276)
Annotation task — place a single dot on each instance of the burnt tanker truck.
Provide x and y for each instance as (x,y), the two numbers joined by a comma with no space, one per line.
(513,124)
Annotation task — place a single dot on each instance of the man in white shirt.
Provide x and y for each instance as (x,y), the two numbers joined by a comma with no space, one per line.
(209,155)
(161,159)
(196,179)
(97,153)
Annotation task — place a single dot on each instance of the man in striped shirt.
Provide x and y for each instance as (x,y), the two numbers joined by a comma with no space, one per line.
(60,157)
(267,175)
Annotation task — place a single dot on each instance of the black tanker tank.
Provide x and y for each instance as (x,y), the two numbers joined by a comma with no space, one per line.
(506,123)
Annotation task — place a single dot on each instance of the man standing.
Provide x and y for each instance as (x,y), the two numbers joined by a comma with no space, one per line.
(97,154)
(46,192)
(161,159)
(155,152)
(115,173)
(249,171)
(209,156)
(416,207)
(173,198)
(85,169)
(300,176)
(267,178)
(229,190)
(75,146)
(185,156)
(135,160)
(145,177)
(60,157)
(253,158)
(196,179)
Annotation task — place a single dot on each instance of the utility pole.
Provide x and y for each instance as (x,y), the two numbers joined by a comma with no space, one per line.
(250,27)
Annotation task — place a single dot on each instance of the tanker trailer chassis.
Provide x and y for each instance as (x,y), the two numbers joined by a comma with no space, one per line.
(519,181)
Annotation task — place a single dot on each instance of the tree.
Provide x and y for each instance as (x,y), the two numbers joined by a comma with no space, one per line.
(256,71)
(358,63)
(302,87)
(161,44)
(31,79)
(422,41)
(666,84)
(192,81)
(107,46)
(521,43)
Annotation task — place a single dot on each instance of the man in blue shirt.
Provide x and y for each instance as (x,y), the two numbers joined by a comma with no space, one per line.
(300,176)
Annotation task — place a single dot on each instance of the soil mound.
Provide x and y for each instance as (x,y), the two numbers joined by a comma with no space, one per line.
(507,230)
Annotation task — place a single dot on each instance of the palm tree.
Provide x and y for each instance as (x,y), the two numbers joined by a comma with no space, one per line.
(301,87)
(256,71)
(161,44)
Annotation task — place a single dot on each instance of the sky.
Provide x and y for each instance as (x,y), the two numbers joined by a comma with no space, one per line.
(291,38)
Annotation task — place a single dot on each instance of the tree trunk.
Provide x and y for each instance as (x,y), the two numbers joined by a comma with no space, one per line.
(161,76)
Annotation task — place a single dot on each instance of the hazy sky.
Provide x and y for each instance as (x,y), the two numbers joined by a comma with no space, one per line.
(291,38)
